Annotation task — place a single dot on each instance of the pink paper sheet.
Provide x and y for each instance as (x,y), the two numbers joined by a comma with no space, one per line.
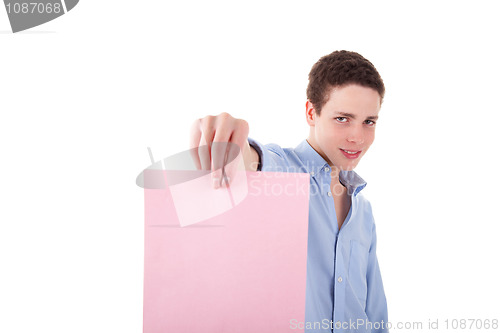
(243,271)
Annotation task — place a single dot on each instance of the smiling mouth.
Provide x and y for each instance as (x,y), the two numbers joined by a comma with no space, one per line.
(351,154)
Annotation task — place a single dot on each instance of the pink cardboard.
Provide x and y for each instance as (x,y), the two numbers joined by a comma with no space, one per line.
(242,271)
(196,200)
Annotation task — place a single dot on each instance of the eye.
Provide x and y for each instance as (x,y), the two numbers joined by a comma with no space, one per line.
(341,119)
(370,122)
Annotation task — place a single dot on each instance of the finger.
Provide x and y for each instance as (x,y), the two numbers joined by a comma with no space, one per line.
(194,142)
(219,149)
(240,137)
(231,163)
(236,146)
(207,136)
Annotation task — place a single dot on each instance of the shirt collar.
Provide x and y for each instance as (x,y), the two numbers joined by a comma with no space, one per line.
(314,164)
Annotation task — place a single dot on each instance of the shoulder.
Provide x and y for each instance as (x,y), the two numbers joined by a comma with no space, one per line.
(364,203)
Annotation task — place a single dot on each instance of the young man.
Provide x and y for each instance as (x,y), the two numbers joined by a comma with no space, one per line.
(344,291)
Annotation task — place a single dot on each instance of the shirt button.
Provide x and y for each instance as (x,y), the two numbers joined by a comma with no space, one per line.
(312,173)
(339,279)
(329,194)
(327,169)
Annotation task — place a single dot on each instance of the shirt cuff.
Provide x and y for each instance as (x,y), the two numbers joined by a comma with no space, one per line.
(261,151)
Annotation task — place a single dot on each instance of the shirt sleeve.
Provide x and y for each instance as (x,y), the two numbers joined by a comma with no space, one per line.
(272,157)
(376,304)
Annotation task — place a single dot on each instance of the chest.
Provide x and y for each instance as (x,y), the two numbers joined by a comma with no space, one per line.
(342,202)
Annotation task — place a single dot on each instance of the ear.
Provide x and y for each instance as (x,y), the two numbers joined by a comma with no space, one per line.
(310,113)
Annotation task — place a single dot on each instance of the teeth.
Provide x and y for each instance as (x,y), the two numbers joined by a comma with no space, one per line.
(350,152)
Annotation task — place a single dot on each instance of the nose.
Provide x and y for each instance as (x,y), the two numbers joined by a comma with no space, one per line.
(356,135)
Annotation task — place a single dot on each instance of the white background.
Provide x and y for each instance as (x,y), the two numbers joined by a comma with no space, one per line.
(82,97)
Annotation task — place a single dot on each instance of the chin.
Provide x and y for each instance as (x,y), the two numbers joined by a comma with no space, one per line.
(348,166)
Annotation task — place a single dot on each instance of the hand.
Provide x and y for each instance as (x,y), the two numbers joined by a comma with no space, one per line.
(216,141)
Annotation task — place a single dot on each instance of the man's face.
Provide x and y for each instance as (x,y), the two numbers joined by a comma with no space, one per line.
(346,127)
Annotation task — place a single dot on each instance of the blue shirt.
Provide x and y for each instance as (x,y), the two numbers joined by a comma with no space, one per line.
(344,291)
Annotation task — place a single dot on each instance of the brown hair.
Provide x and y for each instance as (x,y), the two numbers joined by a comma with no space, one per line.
(339,69)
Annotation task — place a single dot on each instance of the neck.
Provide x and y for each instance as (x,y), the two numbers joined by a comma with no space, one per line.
(335,170)
(316,147)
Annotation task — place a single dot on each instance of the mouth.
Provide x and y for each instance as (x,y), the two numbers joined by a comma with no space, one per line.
(351,154)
